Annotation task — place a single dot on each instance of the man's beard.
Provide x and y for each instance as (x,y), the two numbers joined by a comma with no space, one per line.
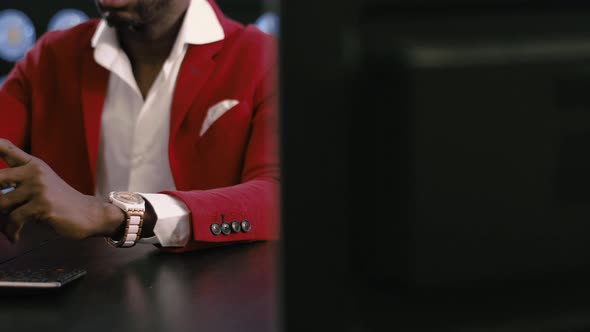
(121,24)
(146,13)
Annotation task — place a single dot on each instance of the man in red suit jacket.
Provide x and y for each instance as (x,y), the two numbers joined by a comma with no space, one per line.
(221,149)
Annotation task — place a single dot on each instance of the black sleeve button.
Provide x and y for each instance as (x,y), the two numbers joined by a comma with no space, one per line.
(246,226)
(225,228)
(235,226)
(215,229)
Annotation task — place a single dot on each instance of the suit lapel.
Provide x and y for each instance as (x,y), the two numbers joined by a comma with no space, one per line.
(196,68)
(94,87)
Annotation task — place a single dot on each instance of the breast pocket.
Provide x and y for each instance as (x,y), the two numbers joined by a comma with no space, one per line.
(220,152)
(215,112)
(226,123)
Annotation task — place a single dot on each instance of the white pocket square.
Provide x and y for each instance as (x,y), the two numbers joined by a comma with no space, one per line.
(215,112)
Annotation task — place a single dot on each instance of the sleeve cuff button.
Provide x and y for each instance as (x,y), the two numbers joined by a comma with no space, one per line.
(246,226)
(215,229)
(225,228)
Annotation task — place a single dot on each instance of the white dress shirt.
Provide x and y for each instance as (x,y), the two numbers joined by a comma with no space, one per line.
(133,151)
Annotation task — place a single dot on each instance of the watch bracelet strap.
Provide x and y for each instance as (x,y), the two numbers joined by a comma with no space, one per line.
(134,224)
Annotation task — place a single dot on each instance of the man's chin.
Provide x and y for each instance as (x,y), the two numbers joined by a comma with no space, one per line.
(120,23)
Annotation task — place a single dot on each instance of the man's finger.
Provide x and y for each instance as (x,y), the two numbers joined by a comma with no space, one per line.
(12,231)
(11,177)
(3,222)
(14,199)
(12,155)
(16,220)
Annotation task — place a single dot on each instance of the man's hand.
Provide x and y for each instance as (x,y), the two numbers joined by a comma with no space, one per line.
(42,196)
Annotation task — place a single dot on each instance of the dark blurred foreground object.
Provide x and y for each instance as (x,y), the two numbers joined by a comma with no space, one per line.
(474,132)
(442,180)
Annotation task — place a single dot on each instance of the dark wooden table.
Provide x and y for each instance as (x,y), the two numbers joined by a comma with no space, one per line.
(233,288)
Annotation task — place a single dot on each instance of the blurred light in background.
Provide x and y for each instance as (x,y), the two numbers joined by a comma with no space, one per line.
(17,34)
(269,23)
(66,18)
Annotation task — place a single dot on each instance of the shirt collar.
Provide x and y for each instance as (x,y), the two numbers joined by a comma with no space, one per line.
(200,26)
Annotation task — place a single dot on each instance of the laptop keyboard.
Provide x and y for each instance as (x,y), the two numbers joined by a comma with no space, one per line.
(40,275)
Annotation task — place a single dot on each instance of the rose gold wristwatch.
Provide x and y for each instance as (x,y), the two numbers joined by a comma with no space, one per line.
(133,205)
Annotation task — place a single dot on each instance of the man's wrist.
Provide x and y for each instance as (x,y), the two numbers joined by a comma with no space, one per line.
(149,221)
(114,221)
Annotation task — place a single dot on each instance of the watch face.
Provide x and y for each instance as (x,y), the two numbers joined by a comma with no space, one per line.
(128,198)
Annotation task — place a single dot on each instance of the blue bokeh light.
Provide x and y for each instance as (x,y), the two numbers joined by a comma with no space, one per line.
(269,23)
(17,34)
(66,18)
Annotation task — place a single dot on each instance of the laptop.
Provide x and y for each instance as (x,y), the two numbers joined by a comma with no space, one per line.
(32,238)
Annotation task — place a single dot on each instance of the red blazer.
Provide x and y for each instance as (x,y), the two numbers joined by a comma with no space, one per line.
(53,99)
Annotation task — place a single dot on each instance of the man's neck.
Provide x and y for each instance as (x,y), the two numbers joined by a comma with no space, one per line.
(153,43)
